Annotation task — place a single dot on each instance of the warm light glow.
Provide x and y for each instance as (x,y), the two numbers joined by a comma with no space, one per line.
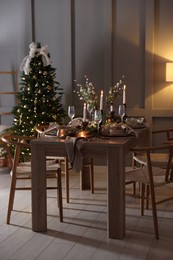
(82,134)
(169,72)
(62,133)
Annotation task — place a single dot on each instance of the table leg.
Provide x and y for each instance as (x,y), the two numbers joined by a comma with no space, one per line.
(39,203)
(116,193)
(85,175)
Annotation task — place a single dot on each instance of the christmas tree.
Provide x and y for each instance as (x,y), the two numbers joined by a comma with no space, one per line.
(40,95)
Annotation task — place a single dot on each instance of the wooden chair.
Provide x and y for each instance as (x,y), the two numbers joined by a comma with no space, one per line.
(64,163)
(157,158)
(21,170)
(151,177)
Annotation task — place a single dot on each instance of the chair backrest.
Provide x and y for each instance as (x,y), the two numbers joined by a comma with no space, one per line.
(162,136)
(165,134)
(40,129)
(13,145)
(44,129)
(148,153)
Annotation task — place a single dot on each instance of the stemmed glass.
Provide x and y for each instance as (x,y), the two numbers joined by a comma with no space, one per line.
(90,111)
(71,112)
(122,111)
(97,118)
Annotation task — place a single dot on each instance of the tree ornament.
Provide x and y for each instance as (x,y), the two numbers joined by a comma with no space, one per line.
(49,87)
(36,103)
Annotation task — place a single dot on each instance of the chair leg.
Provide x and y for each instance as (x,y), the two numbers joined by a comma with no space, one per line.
(11,198)
(171,174)
(142,190)
(88,163)
(65,166)
(67,179)
(59,190)
(134,188)
(154,211)
(148,197)
(91,176)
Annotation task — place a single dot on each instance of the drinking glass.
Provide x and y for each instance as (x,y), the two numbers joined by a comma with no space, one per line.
(122,112)
(71,112)
(97,118)
(90,111)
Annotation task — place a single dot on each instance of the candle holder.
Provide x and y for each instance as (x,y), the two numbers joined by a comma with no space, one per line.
(63,131)
(84,125)
(125,115)
(83,134)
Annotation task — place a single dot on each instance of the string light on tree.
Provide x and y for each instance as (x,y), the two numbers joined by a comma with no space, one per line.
(40,96)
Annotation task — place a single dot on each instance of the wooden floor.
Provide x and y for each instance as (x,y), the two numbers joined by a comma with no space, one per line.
(83,234)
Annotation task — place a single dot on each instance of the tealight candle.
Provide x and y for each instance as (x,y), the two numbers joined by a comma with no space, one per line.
(62,132)
(82,134)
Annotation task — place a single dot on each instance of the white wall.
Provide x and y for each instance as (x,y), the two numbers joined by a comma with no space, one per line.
(104,39)
(15,35)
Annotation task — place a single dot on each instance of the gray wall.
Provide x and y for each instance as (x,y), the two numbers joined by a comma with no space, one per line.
(103,39)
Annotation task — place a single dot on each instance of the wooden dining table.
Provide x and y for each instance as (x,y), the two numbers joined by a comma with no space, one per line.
(114,149)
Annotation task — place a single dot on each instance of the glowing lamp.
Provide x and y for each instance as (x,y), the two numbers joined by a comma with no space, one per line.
(169,72)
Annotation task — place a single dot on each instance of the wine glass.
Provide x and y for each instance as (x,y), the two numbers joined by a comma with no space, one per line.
(122,111)
(90,111)
(71,112)
(98,118)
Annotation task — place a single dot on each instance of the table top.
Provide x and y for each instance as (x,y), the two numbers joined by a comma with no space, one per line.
(108,141)
(98,140)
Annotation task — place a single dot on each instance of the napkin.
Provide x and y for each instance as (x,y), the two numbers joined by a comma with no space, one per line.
(74,152)
(52,126)
(129,130)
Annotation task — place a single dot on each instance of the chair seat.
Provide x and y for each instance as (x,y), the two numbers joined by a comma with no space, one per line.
(141,175)
(24,170)
(55,158)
